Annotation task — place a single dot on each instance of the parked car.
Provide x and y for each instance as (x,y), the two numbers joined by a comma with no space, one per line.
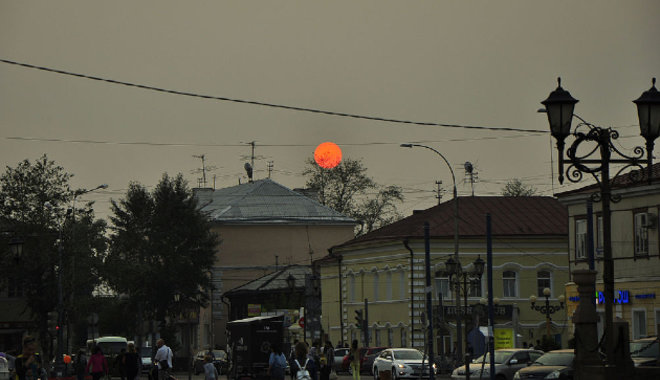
(340,353)
(507,362)
(146,354)
(401,363)
(645,352)
(219,361)
(364,356)
(556,364)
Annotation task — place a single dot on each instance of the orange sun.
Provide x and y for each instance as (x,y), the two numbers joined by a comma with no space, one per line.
(327,155)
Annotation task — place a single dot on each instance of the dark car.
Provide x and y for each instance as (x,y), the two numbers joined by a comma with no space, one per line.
(507,362)
(367,356)
(557,364)
(645,352)
(219,361)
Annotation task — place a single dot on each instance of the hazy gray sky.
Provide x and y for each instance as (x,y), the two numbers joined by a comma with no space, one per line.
(484,63)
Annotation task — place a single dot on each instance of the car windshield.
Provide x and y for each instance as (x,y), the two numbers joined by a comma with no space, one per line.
(112,348)
(649,349)
(555,358)
(500,357)
(219,354)
(407,355)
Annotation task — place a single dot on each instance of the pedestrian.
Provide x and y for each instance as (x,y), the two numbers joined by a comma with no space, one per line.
(132,363)
(292,357)
(164,360)
(210,372)
(80,364)
(303,363)
(325,363)
(354,358)
(276,363)
(97,364)
(28,364)
(118,364)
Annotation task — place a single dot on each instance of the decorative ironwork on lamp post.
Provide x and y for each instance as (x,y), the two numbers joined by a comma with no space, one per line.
(456,273)
(559,108)
(546,308)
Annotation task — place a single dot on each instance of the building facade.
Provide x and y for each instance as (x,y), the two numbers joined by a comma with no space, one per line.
(383,273)
(263,226)
(635,250)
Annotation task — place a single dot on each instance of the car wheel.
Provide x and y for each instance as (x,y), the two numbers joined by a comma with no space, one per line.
(350,370)
(394,374)
(375,371)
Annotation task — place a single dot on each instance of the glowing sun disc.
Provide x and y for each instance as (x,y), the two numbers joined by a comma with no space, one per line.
(327,155)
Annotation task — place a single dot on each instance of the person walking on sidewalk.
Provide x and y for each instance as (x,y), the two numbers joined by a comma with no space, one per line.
(97,364)
(354,357)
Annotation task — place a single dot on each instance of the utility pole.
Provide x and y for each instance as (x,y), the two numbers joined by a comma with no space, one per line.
(439,191)
(201,156)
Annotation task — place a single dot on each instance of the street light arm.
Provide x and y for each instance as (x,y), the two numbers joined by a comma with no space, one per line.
(453,177)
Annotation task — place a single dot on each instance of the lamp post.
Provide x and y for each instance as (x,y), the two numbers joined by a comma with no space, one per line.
(455,193)
(547,309)
(559,107)
(456,272)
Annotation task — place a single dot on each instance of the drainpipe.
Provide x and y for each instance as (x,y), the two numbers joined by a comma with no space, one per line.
(412,295)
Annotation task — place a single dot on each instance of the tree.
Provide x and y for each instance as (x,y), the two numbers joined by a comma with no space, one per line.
(516,188)
(161,244)
(345,189)
(36,207)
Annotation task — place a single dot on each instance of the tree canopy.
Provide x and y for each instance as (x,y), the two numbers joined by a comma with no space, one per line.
(161,244)
(346,189)
(37,207)
(516,188)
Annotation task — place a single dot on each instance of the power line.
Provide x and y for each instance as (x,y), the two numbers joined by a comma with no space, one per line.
(264,104)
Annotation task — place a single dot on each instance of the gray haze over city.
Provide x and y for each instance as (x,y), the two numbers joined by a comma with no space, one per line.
(470,63)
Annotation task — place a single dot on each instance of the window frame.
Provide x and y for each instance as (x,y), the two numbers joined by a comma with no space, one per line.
(640,233)
(580,243)
(540,288)
(515,283)
(637,333)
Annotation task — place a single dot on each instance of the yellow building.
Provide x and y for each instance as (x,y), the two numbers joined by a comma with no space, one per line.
(635,250)
(387,268)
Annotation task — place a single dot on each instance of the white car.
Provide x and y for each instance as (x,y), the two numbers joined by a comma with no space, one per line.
(402,363)
(507,362)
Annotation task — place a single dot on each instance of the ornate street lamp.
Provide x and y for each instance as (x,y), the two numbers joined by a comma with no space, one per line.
(559,107)
(547,309)
(456,273)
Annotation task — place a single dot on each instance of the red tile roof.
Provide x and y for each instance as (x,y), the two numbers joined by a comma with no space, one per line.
(510,216)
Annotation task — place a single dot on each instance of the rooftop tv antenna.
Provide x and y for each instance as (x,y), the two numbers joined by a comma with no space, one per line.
(203,182)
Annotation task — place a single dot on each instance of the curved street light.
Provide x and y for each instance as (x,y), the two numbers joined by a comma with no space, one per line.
(459,345)
(546,308)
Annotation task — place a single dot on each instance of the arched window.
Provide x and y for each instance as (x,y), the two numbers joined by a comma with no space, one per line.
(543,281)
(509,284)
(402,284)
(351,287)
(376,285)
(388,285)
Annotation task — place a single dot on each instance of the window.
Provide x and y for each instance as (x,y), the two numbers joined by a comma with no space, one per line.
(641,223)
(390,337)
(376,285)
(377,334)
(474,290)
(442,285)
(542,282)
(404,338)
(388,285)
(509,284)
(402,284)
(599,235)
(351,287)
(14,287)
(639,324)
(580,239)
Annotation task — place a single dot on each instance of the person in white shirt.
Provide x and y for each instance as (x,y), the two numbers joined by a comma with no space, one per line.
(164,359)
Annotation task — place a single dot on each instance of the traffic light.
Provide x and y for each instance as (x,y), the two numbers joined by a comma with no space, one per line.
(53,325)
(359,319)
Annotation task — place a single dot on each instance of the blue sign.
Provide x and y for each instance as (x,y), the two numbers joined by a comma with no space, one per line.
(620,297)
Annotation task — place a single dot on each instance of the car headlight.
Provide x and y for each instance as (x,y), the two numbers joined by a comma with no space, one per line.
(434,366)
(401,366)
(553,375)
(516,376)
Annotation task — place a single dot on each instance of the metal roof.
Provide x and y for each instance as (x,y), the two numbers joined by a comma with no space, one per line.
(511,216)
(265,202)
